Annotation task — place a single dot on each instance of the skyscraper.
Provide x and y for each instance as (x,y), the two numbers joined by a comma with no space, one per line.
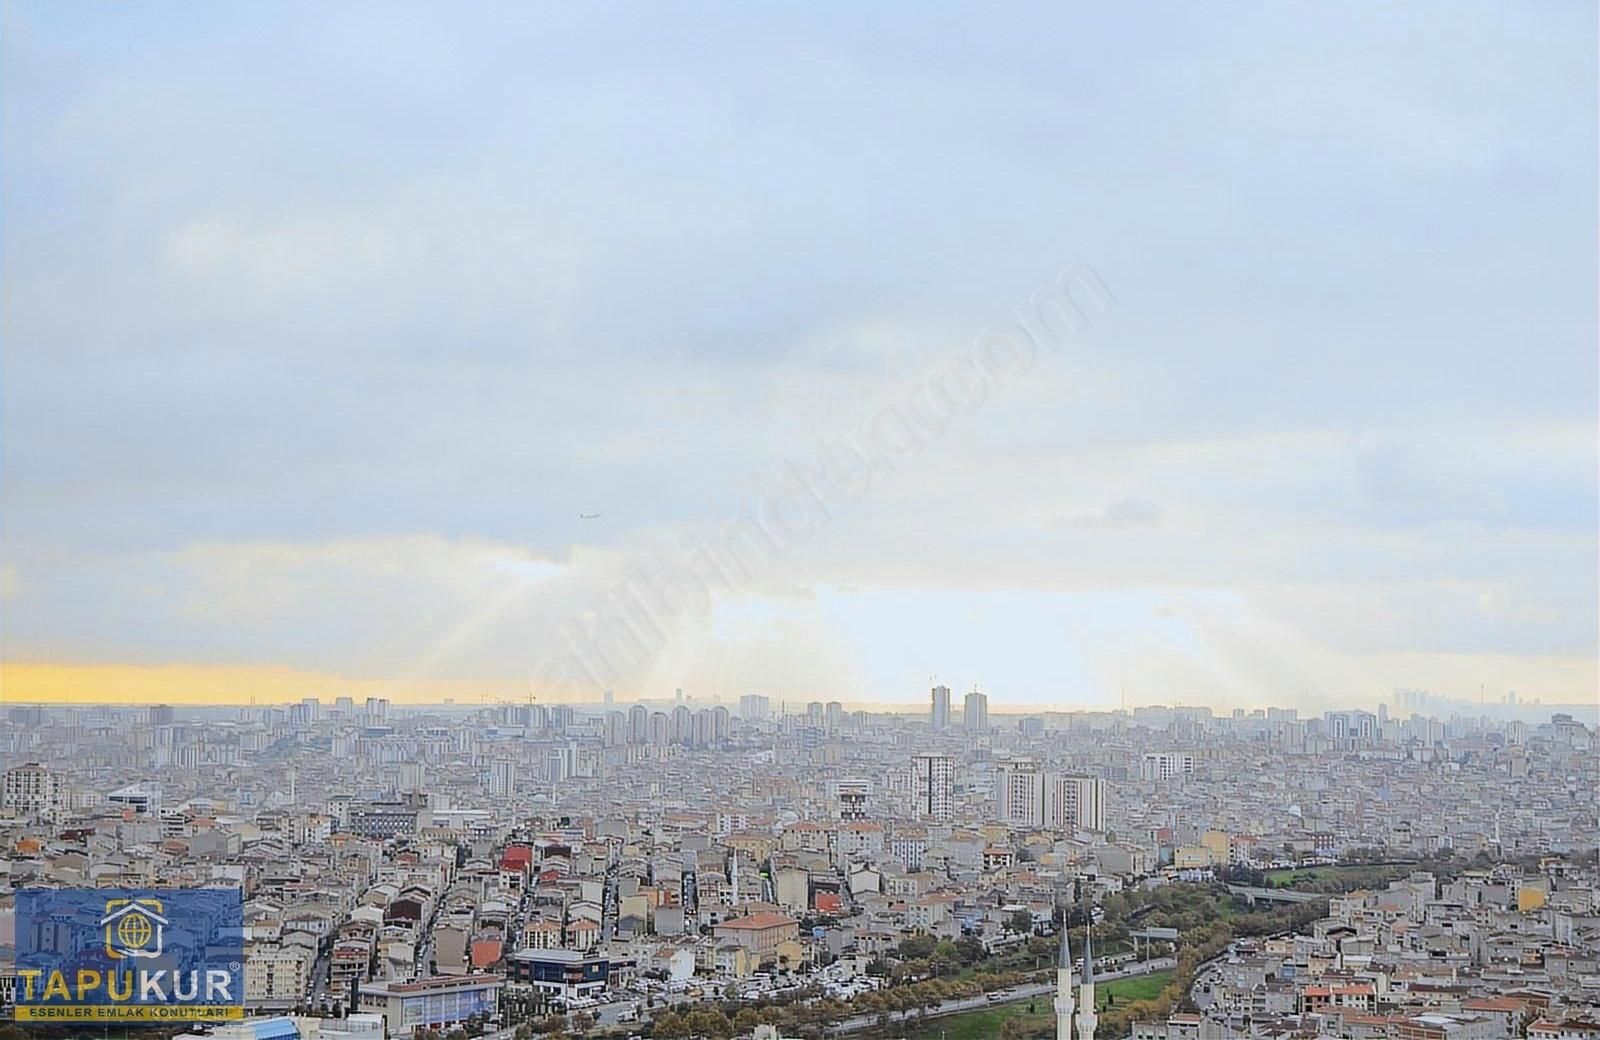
(975,712)
(1028,796)
(935,786)
(939,716)
(1077,802)
(502,778)
(1021,793)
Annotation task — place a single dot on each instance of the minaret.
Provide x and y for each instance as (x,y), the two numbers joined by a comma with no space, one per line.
(1064,985)
(1087,1019)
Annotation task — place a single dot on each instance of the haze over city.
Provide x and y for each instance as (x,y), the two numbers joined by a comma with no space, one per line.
(906,521)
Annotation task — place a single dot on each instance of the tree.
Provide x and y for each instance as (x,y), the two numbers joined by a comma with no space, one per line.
(708,1023)
(1021,922)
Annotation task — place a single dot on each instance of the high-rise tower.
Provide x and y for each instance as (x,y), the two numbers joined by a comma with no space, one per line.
(939,708)
(975,712)
(935,785)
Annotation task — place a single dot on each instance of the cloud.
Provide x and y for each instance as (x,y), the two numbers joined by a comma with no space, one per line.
(322,325)
(1120,515)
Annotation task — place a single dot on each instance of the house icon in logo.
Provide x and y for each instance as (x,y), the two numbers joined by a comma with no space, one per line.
(133,927)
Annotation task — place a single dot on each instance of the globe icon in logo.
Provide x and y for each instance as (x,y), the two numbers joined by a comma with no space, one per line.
(133,927)
(133,931)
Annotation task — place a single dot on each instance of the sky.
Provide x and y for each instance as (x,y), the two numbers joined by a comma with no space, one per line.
(323,327)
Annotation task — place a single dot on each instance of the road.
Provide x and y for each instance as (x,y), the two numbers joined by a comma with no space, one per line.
(1007,996)
(317,989)
(1275,895)
(611,1014)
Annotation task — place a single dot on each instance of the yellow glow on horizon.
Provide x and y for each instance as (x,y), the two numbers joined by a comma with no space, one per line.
(223,684)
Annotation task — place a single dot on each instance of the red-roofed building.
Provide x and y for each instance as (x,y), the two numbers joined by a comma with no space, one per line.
(1507,1012)
(1360,997)
(1571,1029)
(760,933)
(486,952)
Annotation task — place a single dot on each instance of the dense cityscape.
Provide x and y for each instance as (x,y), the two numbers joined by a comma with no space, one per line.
(683,867)
(529,520)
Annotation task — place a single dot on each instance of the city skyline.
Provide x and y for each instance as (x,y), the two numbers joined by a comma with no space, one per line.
(46,685)
(526,869)
(1398,703)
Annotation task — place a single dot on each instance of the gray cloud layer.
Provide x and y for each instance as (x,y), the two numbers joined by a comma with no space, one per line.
(321,323)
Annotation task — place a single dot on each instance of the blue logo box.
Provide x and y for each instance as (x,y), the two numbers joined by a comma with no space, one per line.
(129,954)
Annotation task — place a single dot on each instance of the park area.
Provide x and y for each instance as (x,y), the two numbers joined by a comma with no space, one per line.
(1016,1020)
